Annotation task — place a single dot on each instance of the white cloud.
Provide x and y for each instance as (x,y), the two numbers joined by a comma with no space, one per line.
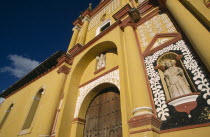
(19,65)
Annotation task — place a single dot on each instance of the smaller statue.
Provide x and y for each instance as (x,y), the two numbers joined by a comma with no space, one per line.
(101,61)
(175,79)
(90,6)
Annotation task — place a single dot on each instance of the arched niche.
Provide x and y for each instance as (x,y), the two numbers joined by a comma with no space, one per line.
(171,56)
(80,63)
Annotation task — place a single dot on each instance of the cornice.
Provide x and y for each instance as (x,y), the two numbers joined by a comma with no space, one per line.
(64,69)
(122,13)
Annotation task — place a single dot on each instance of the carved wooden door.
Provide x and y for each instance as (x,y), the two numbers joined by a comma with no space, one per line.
(103,117)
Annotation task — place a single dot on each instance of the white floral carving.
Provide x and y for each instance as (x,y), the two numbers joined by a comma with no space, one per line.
(190,63)
(158,24)
(111,7)
(112,77)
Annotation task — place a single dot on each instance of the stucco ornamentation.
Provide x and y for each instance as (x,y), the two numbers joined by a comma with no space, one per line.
(112,77)
(111,7)
(158,24)
(198,76)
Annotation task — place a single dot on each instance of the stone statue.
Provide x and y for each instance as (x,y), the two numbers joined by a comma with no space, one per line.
(101,61)
(175,79)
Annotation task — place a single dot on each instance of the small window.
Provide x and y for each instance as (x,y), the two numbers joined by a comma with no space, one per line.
(105,27)
(6,116)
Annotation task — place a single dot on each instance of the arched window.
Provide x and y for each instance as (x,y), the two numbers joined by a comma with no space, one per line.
(103,26)
(32,111)
(6,116)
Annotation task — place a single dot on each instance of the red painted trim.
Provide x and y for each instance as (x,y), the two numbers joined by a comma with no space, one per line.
(122,12)
(184,128)
(113,26)
(147,17)
(161,35)
(53,68)
(145,73)
(99,76)
(79,120)
(177,38)
(145,130)
(101,69)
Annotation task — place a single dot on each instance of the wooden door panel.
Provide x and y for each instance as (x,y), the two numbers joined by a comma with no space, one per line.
(103,117)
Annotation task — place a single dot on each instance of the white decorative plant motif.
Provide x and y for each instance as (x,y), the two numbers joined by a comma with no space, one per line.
(190,63)
(112,77)
(156,25)
(110,8)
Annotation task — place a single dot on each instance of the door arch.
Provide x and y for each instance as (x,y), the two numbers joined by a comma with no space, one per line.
(103,116)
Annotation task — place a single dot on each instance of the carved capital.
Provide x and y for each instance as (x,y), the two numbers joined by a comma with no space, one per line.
(142,111)
(64,69)
(127,22)
(144,120)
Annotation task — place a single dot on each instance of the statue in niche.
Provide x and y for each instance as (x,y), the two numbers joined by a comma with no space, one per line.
(101,61)
(175,79)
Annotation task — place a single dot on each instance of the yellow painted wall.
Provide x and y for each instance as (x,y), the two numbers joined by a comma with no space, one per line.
(42,124)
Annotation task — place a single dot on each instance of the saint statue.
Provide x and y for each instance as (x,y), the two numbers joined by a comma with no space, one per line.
(175,79)
(101,61)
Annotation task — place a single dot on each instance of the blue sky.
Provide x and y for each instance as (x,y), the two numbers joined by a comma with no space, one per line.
(31,31)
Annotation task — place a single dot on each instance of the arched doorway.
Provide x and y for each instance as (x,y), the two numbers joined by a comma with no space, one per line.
(103,117)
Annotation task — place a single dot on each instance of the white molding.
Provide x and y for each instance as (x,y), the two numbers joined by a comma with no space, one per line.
(182,100)
(111,77)
(142,111)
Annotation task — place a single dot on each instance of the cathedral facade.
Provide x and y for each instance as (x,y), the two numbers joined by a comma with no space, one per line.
(133,68)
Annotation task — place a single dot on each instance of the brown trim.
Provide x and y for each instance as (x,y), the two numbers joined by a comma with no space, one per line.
(127,22)
(96,9)
(77,21)
(161,35)
(145,73)
(162,4)
(80,49)
(75,49)
(79,120)
(101,69)
(149,16)
(122,12)
(177,38)
(207,4)
(143,4)
(86,13)
(145,130)
(64,69)
(65,58)
(99,76)
(184,128)
(144,120)
(53,68)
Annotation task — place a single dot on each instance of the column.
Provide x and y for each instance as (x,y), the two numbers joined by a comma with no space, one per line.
(85,21)
(194,30)
(136,75)
(75,30)
(143,121)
